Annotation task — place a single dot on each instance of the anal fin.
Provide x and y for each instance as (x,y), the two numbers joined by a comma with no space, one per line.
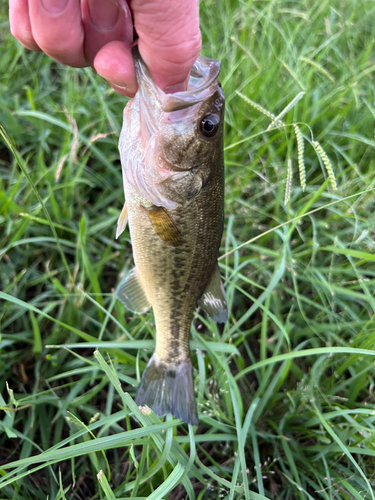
(163,225)
(213,300)
(131,293)
(122,220)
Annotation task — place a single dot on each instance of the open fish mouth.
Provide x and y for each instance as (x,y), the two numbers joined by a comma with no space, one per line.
(180,108)
(202,82)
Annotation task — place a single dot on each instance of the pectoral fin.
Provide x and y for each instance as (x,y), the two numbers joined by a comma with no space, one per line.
(213,300)
(122,220)
(163,225)
(131,293)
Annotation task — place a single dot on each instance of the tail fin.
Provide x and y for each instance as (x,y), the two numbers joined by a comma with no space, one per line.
(168,388)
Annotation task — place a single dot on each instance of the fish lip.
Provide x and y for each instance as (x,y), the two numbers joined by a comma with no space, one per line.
(203,75)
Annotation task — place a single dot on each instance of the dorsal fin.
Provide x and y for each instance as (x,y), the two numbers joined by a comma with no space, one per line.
(163,225)
(131,293)
(213,300)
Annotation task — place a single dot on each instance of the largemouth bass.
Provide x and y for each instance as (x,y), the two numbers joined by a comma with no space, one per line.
(171,148)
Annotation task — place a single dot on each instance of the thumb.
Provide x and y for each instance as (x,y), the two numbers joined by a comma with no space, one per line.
(169,39)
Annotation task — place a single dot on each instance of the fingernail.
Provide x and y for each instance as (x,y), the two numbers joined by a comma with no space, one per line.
(54,6)
(104,14)
(122,89)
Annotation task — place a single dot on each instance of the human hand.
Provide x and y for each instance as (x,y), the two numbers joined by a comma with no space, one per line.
(100,33)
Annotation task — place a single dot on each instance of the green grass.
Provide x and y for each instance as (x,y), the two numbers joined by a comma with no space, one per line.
(285,390)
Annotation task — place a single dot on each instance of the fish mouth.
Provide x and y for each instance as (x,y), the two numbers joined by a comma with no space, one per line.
(203,81)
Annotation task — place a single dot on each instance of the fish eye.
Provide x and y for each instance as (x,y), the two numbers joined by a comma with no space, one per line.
(209,125)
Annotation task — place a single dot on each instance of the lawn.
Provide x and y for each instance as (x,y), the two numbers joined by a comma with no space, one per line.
(285,390)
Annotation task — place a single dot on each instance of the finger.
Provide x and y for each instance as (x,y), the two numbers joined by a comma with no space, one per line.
(57,29)
(114,62)
(169,39)
(105,21)
(20,26)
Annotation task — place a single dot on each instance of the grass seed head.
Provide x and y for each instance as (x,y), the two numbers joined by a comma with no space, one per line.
(327,163)
(301,156)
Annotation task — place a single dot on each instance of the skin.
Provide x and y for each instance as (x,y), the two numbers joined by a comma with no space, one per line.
(99,33)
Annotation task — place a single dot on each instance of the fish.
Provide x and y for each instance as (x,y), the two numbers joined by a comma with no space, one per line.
(171,149)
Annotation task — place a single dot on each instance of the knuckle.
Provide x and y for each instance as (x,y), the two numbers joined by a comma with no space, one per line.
(179,55)
(182,57)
